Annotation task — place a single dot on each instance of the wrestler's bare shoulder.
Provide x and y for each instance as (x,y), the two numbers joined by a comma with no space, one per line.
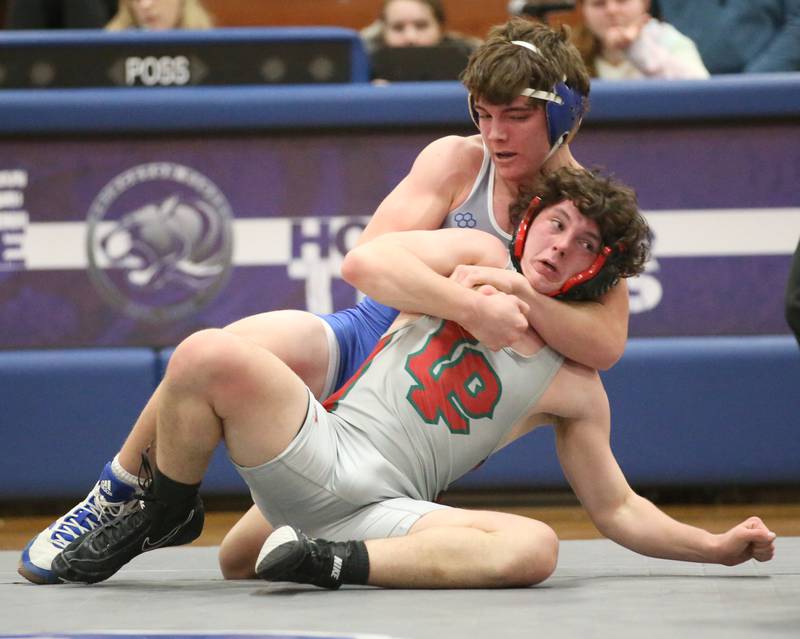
(466,147)
(456,153)
(453,160)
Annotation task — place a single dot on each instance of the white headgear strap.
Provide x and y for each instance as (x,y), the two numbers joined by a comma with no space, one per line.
(549,96)
(527,45)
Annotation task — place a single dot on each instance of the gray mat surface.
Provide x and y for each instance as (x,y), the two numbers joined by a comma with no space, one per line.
(598,590)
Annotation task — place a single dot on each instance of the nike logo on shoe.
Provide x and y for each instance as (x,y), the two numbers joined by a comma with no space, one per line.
(146,545)
(337,567)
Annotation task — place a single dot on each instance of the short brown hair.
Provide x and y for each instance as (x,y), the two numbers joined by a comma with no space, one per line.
(498,71)
(609,203)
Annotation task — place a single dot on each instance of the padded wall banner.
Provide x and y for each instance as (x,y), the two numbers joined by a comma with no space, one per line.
(113,242)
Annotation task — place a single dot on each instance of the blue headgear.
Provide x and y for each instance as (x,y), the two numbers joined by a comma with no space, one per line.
(564,108)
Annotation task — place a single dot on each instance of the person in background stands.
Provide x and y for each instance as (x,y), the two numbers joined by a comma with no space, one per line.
(739,36)
(413,23)
(59,14)
(620,40)
(160,15)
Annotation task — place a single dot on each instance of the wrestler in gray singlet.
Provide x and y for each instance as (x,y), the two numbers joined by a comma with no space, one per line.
(428,406)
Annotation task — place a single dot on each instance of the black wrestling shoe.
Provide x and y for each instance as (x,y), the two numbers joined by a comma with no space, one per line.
(289,555)
(154,524)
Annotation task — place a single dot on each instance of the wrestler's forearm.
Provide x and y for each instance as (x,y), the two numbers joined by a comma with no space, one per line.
(410,270)
(591,333)
(394,274)
(640,526)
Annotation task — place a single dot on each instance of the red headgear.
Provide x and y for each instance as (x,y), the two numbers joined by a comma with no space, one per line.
(517,247)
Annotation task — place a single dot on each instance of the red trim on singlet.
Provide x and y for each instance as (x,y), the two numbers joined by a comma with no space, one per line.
(330,403)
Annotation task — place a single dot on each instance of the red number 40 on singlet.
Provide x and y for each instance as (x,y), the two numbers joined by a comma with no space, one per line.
(454,381)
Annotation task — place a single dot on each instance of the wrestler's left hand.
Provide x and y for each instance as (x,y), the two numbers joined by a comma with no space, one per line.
(749,540)
(504,280)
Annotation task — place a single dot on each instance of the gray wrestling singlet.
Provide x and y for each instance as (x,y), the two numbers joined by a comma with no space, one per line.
(435,403)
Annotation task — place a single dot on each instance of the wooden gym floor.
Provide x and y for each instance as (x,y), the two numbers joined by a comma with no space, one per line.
(569,521)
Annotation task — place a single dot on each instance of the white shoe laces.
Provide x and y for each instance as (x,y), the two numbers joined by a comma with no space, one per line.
(94,511)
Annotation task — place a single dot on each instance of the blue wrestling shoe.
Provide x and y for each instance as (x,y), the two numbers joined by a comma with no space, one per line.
(109,499)
(153,522)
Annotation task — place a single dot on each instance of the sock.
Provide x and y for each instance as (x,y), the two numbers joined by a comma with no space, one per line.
(171,492)
(129,479)
(356,567)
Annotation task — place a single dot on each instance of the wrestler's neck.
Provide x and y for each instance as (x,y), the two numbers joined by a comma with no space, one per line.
(561,158)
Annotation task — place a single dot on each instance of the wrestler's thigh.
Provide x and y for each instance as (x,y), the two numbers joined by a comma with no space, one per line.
(298,338)
(260,401)
(240,547)
(485,520)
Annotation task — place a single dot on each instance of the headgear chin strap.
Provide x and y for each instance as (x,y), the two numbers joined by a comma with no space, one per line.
(588,274)
(563,111)
(517,248)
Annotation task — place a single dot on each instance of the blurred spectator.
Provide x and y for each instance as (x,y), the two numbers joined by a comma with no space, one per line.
(413,23)
(793,295)
(409,41)
(739,36)
(159,15)
(619,39)
(59,14)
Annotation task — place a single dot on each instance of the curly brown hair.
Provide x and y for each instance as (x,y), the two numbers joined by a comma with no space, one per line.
(498,71)
(614,208)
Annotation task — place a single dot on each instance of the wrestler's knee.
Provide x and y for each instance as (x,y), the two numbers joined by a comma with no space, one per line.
(206,358)
(239,549)
(531,559)
(234,562)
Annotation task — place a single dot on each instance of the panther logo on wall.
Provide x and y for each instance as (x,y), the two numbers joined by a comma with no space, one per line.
(159,241)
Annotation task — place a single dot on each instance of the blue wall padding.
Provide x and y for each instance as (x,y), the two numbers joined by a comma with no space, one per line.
(686,411)
(718,410)
(65,413)
(361,105)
